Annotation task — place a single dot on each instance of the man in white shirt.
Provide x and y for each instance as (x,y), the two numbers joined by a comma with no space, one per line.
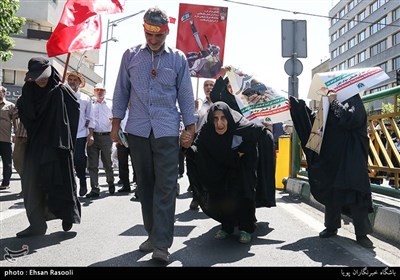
(85,128)
(102,117)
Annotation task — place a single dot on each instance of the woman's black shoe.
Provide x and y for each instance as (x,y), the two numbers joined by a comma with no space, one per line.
(364,241)
(125,189)
(30,231)
(66,225)
(326,233)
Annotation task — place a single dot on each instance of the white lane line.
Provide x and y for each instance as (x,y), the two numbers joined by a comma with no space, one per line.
(344,243)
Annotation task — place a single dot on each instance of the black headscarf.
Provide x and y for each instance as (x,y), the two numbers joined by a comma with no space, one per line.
(222,144)
(36,99)
(216,156)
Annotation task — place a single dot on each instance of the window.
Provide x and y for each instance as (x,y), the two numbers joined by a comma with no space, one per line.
(9,77)
(333,37)
(396,14)
(342,48)
(383,66)
(396,63)
(362,56)
(377,25)
(352,23)
(334,54)
(378,48)
(373,7)
(350,5)
(342,66)
(352,61)
(342,30)
(396,39)
(342,13)
(351,43)
(361,16)
(361,36)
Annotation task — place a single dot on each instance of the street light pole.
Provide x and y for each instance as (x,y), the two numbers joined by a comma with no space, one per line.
(112,24)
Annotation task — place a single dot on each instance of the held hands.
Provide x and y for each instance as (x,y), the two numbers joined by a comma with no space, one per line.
(186,139)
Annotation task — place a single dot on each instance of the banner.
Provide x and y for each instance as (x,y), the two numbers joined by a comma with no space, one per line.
(258,102)
(201,36)
(346,83)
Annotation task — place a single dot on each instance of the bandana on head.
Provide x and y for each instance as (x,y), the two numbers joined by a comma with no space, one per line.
(155,28)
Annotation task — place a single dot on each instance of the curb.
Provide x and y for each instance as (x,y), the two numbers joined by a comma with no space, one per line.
(385,220)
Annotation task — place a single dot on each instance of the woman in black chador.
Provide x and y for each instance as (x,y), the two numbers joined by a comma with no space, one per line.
(50,113)
(338,175)
(222,167)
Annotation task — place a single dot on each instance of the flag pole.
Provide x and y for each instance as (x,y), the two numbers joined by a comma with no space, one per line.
(197,90)
(66,67)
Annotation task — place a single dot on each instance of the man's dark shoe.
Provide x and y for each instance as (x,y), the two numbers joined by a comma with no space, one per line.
(120,182)
(326,233)
(66,225)
(93,193)
(364,241)
(111,188)
(125,188)
(161,255)
(30,231)
(83,187)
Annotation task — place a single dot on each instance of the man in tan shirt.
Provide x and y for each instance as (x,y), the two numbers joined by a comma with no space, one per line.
(7,123)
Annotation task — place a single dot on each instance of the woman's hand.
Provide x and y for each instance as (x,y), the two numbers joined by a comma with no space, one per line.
(332,95)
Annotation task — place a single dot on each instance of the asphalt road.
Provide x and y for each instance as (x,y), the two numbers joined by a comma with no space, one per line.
(112,230)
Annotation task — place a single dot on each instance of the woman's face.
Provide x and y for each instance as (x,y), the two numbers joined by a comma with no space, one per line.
(229,87)
(42,82)
(220,122)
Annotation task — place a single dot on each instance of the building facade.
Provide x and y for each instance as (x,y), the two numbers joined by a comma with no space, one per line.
(366,34)
(41,19)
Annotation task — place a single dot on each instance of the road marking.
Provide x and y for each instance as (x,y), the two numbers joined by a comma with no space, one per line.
(349,245)
(310,221)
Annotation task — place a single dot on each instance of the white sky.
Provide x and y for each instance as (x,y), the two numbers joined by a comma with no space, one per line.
(253,39)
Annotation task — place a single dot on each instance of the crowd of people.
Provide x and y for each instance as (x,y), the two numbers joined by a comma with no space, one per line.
(155,121)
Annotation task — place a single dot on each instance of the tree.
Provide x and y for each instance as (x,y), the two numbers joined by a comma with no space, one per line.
(9,24)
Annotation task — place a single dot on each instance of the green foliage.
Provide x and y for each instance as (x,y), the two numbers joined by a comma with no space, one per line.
(9,24)
(387,108)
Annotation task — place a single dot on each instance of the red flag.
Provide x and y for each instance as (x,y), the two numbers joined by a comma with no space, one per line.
(79,28)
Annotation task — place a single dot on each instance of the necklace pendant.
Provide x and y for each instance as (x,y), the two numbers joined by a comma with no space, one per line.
(153,73)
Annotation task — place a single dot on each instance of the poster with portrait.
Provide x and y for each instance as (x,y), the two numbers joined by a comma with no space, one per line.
(201,36)
(257,101)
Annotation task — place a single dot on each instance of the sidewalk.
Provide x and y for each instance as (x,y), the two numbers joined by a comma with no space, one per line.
(385,218)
